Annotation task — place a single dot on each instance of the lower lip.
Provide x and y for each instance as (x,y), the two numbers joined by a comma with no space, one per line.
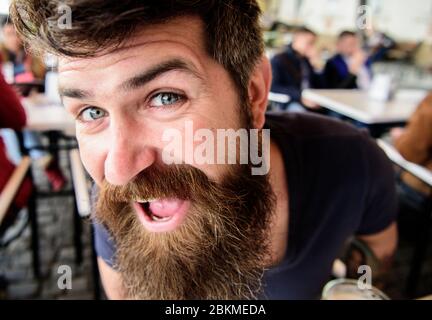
(162,226)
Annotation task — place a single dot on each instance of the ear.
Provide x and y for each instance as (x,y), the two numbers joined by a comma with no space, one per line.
(258,89)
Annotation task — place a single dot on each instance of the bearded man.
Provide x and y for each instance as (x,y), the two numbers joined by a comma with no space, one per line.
(131,70)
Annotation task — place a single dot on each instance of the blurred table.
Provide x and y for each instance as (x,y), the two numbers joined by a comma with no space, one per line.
(416,170)
(43,115)
(357,104)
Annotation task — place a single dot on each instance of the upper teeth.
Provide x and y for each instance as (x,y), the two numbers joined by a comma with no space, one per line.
(145,200)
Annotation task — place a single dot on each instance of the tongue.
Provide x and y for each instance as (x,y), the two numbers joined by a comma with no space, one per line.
(166,207)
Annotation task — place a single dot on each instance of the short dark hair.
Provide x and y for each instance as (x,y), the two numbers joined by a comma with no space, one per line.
(346,33)
(232,29)
(303,29)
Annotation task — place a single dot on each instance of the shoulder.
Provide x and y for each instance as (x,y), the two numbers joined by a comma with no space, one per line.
(322,143)
(307,125)
(276,58)
(283,56)
(335,61)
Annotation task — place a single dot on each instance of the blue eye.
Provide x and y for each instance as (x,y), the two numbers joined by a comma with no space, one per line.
(165,99)
(92,114)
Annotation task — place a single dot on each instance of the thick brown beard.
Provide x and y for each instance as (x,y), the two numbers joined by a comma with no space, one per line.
(220,250)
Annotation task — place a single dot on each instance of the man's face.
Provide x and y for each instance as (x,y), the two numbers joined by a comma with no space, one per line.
(348,45)
(304,43)
(168,219)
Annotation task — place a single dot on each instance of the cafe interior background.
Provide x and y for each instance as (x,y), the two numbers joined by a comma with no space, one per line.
(52,235)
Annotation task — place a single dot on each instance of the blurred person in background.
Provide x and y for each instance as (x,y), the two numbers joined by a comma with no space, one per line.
(293,71)
(12,116)
(28,72)
(26,67)
(349,68)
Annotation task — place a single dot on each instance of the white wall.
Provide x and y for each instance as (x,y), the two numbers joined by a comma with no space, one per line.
(329,16)
(4,6)
(403,19)
(287,11)
(324,16)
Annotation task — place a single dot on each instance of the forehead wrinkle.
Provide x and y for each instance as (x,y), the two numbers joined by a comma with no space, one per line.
(79,64)
(110,58)
(192,60)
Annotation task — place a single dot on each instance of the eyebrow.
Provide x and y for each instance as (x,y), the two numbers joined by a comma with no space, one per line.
(139,80)
(156,71)
(74,93)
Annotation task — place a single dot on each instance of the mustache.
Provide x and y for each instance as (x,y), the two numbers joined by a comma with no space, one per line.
(219,251)
(182,181)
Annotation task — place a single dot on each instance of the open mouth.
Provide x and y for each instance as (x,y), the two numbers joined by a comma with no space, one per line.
(148,211)
(161,215)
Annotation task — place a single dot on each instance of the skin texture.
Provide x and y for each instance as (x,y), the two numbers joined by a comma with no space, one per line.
(127,138)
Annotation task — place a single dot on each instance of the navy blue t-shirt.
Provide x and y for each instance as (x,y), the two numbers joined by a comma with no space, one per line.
(340,184)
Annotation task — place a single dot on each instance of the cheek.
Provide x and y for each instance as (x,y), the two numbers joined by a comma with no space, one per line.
(190,142)
(215,171)
(93,154)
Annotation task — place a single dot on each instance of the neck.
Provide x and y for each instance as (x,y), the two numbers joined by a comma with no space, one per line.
(297,50)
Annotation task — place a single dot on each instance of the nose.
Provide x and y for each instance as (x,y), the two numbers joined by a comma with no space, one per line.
(128,154)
